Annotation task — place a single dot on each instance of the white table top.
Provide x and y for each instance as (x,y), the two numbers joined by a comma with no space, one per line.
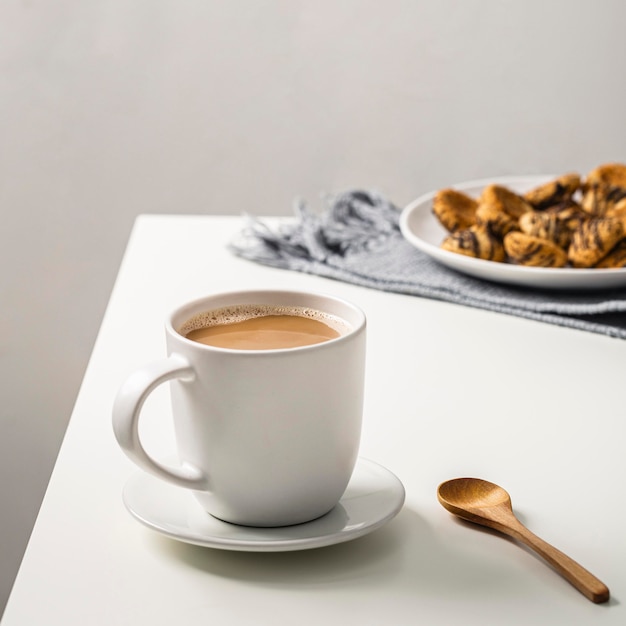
(451,391)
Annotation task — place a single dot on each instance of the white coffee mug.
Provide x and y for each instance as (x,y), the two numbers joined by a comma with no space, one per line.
(264,437)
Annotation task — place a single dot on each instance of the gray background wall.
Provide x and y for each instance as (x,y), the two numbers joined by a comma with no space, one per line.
(110,108)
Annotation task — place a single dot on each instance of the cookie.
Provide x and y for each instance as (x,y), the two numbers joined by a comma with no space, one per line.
(617,210)
(454,209)
(604,187)
(599,200)
(546,226)
(609,174)
(593,240)
(568,212)
(553,192)
(527,250)
(505,200)
(616,258)
(476,241)
(494,219)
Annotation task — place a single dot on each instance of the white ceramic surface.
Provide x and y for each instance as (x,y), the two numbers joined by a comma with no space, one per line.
(373,497)
(264,437)
(422,229)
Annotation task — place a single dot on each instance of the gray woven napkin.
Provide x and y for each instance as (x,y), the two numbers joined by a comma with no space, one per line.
(358,240)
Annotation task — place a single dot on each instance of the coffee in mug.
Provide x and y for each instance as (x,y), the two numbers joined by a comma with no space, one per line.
(254,327)
(267,432)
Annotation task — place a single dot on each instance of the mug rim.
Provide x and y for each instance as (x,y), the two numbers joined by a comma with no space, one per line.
(184,312)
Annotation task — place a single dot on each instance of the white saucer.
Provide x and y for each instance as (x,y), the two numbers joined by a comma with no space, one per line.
(373,497)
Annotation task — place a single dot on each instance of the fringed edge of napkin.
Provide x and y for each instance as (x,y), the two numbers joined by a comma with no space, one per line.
(345,227)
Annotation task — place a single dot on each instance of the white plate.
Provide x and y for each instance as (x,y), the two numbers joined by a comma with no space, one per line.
(373,497)
(422,229)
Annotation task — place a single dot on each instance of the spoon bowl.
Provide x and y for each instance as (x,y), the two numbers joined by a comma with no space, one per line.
(485,503)
(464,495)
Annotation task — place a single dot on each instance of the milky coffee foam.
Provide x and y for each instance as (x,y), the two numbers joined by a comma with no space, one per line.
(241,312)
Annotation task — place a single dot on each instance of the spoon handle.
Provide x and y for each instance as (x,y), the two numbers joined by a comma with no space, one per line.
(576,574)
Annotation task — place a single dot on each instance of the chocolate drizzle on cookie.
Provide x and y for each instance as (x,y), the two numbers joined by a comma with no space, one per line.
(568,221)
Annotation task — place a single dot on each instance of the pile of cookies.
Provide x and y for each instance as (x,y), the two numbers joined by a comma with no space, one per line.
(568,222)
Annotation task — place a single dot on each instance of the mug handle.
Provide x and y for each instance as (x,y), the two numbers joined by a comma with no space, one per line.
(126,411)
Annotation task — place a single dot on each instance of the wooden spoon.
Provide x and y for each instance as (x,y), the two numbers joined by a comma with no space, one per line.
(482,502)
